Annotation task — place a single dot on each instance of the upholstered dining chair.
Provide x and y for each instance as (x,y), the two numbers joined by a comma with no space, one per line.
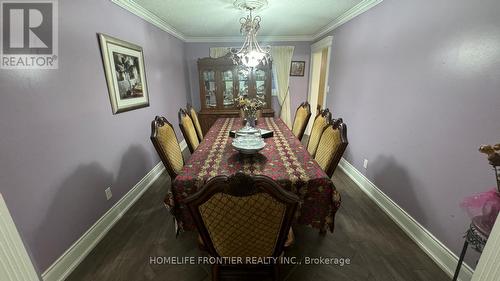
(243,216)
(166,145)
(188,130)
(323,118)
(196,122)
(302,116)
(332,145)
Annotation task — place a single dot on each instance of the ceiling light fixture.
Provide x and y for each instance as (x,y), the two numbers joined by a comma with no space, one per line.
(251,53)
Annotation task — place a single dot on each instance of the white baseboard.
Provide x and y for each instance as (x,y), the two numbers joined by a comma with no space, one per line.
(488,268)
(72,257)
(183,145)
(434,248)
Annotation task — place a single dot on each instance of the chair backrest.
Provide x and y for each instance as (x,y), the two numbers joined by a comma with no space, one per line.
(166,145)
(302,116)
(188,130)
(331,147)
(196,122)
(322,120)
(243,215)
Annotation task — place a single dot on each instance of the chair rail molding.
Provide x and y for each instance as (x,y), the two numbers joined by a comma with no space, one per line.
(15,263)
(434,248)
(77,252)
(488,268)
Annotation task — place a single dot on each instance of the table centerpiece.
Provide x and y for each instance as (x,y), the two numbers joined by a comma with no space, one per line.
(250,106)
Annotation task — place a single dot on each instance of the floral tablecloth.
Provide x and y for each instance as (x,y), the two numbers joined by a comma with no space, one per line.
(284,159)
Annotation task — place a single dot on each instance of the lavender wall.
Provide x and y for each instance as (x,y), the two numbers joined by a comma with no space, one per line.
(298,85)
(418,84)
(61,146)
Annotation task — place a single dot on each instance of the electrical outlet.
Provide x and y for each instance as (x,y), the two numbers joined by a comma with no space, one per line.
(365,164)
(109,194)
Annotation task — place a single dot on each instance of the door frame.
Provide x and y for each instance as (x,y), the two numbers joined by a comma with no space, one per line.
(18,265)
(489,263)
(318,46)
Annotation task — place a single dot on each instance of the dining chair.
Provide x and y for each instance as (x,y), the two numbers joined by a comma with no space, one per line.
(188,130)
(243,216)
(332,145)
(302,116)
(322,119)
(166,145)
(196,122)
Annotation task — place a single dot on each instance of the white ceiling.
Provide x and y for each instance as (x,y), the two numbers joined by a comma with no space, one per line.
(218,20)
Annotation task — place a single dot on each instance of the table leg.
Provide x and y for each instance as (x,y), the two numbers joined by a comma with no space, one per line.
(461,260)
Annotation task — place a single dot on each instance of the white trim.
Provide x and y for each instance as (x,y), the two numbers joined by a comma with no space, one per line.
(72,257)
(434,248)
(488,268)
(183,145)
(135,8)
(15,263)
(321,44)
(318,47)
(263,38)
(148,16)
(355,11)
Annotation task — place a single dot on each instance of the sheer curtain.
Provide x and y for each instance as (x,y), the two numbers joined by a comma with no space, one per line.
(218,52)
(282,59)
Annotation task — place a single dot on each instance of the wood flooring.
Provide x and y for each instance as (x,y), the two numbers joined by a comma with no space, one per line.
(377,248)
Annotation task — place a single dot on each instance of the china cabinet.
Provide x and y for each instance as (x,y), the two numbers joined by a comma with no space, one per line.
(222,82)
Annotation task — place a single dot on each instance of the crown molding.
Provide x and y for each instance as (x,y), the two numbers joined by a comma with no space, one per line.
(323,43)
(302,38)
(148,16)
(355,11)
(138,10)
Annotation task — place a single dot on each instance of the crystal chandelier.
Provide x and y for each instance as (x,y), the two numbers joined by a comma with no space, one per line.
(251,53)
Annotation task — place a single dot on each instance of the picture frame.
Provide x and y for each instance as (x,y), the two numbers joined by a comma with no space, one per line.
(297,68)
(125,73)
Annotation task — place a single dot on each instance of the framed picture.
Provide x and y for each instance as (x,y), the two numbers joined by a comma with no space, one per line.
(125,74)
(297,68)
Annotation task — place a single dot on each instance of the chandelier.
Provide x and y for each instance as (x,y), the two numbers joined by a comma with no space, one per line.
(251,53)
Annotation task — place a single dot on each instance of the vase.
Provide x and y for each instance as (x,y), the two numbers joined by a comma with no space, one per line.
(250,121)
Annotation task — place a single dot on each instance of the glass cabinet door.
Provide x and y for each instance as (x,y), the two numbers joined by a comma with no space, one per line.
(260,83)
(243,81)
(210,88)
(228,88)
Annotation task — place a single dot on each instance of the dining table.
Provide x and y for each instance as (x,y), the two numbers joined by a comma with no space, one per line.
(284,159)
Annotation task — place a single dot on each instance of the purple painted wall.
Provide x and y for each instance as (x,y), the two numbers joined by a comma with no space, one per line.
(61,146)
(419,86)
(298,85)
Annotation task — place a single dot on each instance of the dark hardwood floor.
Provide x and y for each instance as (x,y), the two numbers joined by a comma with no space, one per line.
(377,248)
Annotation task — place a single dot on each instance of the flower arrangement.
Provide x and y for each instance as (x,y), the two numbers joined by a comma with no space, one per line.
(250,106)
(485,206)
(493,152)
